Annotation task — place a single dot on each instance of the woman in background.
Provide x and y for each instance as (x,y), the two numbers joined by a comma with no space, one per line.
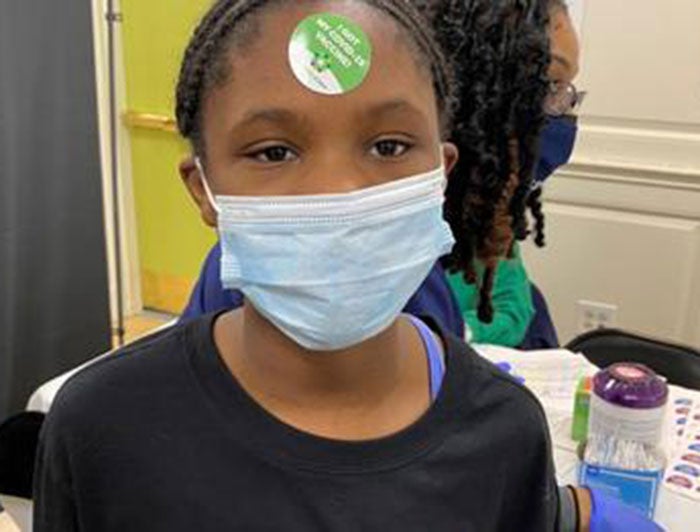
(520,317)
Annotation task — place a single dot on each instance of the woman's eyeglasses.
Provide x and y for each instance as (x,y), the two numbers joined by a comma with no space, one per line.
(562,99)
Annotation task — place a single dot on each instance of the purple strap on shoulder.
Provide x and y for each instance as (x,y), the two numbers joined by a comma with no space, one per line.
(436,363)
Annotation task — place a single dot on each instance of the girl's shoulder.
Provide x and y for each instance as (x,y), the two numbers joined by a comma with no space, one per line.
(135,375)
(479,386)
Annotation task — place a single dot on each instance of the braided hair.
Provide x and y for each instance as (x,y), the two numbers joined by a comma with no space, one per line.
(501,52)
(229,22)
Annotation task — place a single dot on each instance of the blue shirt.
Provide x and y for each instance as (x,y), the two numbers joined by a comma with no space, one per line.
(433,298)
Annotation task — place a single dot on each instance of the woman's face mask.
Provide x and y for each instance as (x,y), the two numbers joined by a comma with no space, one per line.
(556,146)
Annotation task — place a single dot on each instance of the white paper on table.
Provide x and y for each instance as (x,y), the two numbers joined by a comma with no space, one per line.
(552,375)
(674,512)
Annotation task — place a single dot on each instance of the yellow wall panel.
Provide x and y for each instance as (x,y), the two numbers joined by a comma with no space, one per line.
(172,238)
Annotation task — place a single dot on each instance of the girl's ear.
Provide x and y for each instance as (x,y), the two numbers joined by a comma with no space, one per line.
(193,181)
(450,155)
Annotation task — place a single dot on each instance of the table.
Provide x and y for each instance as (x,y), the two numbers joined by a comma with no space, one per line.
(552,376)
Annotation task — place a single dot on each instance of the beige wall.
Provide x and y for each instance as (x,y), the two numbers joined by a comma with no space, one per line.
(624,217)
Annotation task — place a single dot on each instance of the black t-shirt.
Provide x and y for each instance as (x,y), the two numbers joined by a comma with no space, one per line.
(161,437)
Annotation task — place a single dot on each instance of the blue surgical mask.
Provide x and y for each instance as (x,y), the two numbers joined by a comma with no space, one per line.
(333,270)
(556,146)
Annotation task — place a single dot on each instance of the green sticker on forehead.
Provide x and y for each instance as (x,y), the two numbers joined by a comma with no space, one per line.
(330,54)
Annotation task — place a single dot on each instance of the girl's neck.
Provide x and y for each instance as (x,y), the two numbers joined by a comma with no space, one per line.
(373,389)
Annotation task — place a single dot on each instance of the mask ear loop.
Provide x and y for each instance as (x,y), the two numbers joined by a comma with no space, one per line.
(205,184)
(443,169)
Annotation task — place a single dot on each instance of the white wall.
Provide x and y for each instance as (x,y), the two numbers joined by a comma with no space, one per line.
(624,217)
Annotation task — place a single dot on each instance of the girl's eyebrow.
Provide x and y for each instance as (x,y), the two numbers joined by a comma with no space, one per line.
(396,106)
(280,116)
(273,115)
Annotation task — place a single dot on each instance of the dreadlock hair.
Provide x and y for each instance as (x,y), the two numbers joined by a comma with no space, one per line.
(227,25)
(534,202)
(500,49)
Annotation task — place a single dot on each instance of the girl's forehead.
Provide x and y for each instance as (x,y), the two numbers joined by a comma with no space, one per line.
(262,76)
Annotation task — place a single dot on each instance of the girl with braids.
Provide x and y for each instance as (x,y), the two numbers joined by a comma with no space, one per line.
(512,294)
(317,405)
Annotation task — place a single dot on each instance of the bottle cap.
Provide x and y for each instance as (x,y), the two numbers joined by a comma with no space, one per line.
(631,385)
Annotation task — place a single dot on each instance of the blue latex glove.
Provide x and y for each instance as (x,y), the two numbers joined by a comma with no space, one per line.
(507,368)
(611,515)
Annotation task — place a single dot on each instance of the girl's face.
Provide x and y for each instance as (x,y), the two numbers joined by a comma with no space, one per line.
(266,134)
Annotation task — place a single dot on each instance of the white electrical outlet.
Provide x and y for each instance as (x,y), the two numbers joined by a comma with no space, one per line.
(593,315)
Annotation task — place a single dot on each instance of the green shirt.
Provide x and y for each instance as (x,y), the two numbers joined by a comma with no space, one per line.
(512,303)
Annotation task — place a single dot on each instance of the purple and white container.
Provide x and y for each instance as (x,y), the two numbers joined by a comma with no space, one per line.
(626,418)
(622,455)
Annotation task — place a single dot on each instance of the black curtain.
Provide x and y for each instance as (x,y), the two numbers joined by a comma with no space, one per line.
(54,307)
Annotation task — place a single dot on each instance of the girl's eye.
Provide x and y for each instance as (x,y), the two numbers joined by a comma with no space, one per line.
(274,154)
(390,148)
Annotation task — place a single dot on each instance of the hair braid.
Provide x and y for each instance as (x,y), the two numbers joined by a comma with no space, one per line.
(535,204)
(201,54)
